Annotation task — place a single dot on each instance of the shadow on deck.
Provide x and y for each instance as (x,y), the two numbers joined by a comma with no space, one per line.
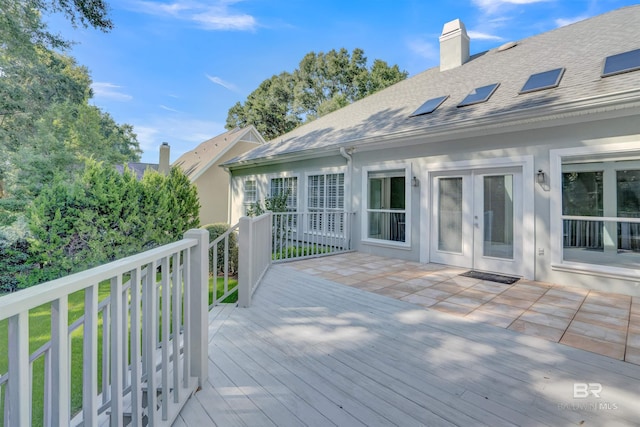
(313,352)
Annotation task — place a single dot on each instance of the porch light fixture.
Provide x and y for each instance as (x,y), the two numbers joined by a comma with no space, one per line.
(415,182)
(540,177)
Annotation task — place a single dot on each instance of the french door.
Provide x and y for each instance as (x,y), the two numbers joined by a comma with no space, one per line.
(477,219)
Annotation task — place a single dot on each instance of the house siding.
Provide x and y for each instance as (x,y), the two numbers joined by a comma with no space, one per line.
(425,156)
(213,187)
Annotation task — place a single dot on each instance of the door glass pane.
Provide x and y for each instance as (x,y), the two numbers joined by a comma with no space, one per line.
(498,216)
(450,214)
(628,184)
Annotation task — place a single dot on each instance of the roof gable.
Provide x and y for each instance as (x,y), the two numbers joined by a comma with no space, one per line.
(195,162)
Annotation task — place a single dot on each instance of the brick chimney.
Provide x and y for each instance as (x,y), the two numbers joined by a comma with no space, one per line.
(454,45)
(163,166)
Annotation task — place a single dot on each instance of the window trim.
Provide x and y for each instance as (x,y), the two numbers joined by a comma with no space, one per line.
(246,204)
(324,171)
(628,150)
(269,177)
(385,167)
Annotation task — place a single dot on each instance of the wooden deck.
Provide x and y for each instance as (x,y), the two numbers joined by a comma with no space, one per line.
(314,352)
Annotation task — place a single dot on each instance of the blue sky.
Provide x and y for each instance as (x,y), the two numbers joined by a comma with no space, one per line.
(172,69)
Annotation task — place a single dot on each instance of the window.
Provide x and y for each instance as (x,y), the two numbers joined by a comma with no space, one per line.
(250,194)
(287,185)
(600,212)
(621,63)
(479,95)
(325,202)
(429,106)
(545,80)
(386,205)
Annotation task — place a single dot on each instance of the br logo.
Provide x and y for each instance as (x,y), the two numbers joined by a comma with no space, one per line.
(583,390)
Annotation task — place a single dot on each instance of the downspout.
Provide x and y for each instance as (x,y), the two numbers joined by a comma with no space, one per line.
(229,187)
(348,205)
(343,153)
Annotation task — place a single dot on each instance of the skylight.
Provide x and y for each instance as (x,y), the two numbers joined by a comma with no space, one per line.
(478,95)
(429,106)
(621,63)
(544,80)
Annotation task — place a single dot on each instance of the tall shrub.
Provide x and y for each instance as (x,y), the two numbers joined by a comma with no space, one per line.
(103,216)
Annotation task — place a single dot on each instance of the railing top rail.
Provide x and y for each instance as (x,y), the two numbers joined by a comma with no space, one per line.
(323,211)
(224,235)
(602,218)
(29,298)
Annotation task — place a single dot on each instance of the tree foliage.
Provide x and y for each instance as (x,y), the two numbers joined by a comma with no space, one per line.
(35,78)
(323,82)
(103,216)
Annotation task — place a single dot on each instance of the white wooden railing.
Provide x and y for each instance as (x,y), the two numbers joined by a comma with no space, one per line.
(222,245)
(297,235)
(154,339)
(254,256)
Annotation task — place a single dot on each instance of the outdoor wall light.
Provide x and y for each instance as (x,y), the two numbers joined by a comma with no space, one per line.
(540,176)
(415,182)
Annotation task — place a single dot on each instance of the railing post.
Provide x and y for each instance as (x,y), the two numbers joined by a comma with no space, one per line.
(19,385)
(245,263)
(198,310)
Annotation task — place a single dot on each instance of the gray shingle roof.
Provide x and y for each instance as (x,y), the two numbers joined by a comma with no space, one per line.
(194,162)
(580,48)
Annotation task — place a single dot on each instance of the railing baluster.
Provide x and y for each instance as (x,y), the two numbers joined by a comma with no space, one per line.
(175,293)
(90,356)
(125,337)
(48,387)
(60,355)
(226,264)
(186,332)
(136,373)
(215,273)
(106,331)
(117,311)
(149,349)
(19,384)
(164,339)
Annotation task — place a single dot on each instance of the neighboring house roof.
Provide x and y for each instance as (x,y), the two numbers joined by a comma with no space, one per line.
(580,48)
(138,168)
(194,163)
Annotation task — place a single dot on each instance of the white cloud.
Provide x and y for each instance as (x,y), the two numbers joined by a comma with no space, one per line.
(492,6)
(477,35)
(164,107)
(561,22)
(425,49)
(109,91)
(219,81)
(215,15)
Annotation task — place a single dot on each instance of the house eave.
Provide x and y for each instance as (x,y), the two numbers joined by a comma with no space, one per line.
(619,104)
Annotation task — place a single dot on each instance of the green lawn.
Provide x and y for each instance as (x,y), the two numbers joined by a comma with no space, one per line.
(40,333)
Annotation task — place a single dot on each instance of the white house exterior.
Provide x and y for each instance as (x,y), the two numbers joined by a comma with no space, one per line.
(536,175)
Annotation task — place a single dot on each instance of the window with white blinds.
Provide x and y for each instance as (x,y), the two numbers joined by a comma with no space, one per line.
(250,194)
(287,185)
(325,202)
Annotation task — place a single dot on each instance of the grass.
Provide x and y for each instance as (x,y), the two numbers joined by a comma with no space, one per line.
(40,333)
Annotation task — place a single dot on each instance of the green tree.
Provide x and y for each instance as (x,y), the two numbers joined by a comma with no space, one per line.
(102,216)
(323,82)
(32,75)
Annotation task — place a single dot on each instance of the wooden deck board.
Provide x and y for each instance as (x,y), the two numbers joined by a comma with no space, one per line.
(314,352)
